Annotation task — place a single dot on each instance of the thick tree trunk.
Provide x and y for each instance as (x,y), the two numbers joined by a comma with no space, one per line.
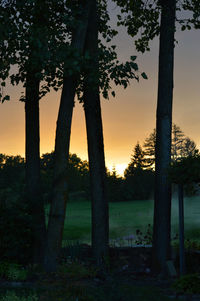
(92,107)
(63,131)
(60,187)
(162,209)
(33,192)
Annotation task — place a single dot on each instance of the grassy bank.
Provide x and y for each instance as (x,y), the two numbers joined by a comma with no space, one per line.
(127,217)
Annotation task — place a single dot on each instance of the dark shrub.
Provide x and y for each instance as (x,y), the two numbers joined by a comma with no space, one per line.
(15,231)
(139,185)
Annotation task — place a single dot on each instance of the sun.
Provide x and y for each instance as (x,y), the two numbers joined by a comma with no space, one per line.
(118,167)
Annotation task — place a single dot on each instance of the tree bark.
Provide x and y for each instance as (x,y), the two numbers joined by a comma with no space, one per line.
(62,142)
(181,230)
(92,107)
(162,204)
(33,192)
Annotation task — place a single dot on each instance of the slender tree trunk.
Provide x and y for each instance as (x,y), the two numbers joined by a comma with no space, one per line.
(33,192)
(62,142)
(181,230)
(92,107)
(162,209)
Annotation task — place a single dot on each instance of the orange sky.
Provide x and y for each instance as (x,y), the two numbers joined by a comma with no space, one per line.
(127,118)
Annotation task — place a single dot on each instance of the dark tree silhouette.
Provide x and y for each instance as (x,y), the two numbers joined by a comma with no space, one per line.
(63,132)
(138,184)
(162,203)
(137,160)
(92,107)
(181,146)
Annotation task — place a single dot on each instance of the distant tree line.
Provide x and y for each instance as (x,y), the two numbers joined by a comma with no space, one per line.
(140,173)
(137,183)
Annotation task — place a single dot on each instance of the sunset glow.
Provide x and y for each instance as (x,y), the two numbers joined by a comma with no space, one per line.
(128,118)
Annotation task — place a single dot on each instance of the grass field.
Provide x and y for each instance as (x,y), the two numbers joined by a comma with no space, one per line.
(127,217)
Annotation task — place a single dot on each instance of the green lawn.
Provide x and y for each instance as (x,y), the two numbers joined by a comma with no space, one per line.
(127,217)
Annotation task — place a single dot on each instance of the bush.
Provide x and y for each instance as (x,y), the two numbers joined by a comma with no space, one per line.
(188,284)
(76,270)
(12,271)
(115,188)
(15,231)
(140,185)
(11,296)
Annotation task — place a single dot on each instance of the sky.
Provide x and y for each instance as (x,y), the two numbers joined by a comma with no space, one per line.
(129,117)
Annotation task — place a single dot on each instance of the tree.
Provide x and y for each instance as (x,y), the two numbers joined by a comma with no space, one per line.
(149,148)
(34,44)
(63,131)
(162,201)
(41,53)
(188,148)
(92,107)
(144,16)
(25,51)
(77,172)
(177,141)
(40,40)
(137,161)
(115,186)
(102,67)
(74,81)
(181,146)
(138,178)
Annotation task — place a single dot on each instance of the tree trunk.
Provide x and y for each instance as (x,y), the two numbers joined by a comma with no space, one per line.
(162,205)
(181,230)
(92,107)
(62,142)
(33,192)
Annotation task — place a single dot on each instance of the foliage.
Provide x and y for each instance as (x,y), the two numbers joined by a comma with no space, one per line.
(192,6)
(146,237)
(182,146)
(12,172)
(77,174)
(15,230)
(76,270)
(115,187)
(38,39)
(138,161)
(139,180)
(188,284)
(11,296)
(12,271)
(73,250)
(149,148)
(190,244)
(143,237)
(186,170)
(139,185)
(140,17)
(110,69)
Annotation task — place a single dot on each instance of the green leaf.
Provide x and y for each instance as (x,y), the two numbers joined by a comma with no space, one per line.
(133,57)
(143,74)
(3,84)
(113,93)
(134,66)
(7,97)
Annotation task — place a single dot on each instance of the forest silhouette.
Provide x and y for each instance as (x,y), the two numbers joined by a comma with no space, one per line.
(56,45)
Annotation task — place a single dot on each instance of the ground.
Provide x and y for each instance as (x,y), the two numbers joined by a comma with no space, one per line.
(127,277)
